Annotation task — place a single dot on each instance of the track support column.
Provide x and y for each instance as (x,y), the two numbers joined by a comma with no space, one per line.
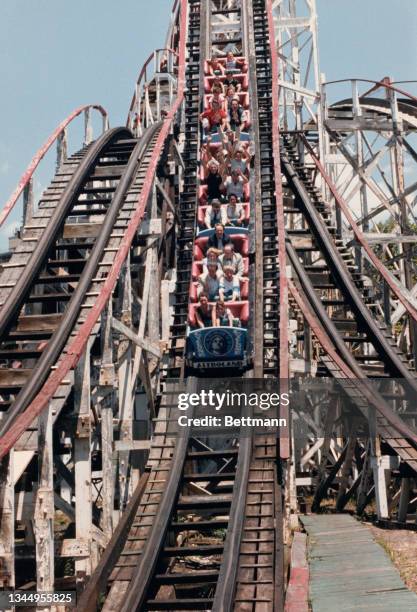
(124,373)
(43,524)
(7,570)
(82,463)
(106,397)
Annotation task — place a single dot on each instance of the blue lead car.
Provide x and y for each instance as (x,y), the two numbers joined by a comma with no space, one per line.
(217,347)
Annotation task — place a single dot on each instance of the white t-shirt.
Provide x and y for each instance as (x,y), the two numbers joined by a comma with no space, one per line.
(229,286)
(233,188)
(234,213)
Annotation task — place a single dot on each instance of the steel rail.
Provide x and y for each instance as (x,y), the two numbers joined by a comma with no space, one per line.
(60,336)
(340,271)
(76,348)
(138,588)
(40,154)
(385,273)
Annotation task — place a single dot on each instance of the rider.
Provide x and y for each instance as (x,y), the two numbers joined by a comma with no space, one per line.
(221,316)
(230,258)
(229,285)
(218,240)
(210,283)
(203,313)
(235,215)
(215,213)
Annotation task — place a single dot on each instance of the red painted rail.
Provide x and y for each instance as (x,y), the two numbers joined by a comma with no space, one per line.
(385,273)
(282,258)
(27,175)
(77,346)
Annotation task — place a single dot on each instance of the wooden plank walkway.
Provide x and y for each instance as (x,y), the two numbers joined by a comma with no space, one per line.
(349,570)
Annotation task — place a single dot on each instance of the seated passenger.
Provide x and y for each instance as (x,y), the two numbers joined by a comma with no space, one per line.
(203,314)
(206,156)
(232,259)
(229,285)
(230,94)
(217,96)
(221,316)
(217,84)
(234,184)
(218,240)
(214,214)
(213,118)
(209,283)
(215,67)
(234,213)
(231,80)
(232,64)
(240,161)
(214,181)
(211,257)
(230,140)
(237,119)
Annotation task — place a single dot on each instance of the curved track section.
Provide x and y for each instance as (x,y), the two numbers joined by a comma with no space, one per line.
(65,270)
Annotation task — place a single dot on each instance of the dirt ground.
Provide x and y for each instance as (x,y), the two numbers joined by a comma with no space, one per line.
(401,545)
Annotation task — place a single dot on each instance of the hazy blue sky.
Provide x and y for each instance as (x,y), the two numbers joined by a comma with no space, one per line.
(58,54)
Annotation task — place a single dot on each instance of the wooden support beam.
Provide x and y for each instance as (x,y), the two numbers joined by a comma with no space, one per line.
(124,373)
(44,514)
(143,343)
(404,500)
(107,382)
(7,570)
(82,463)
(166,197)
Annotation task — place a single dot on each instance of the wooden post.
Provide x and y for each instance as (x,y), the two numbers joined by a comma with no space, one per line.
(7,570)
(43,523)
(61,149)
(82,466)
(404,500)
(124,359)
(28,203)
(88,131)
(365,482)
(381,478)
(106,396)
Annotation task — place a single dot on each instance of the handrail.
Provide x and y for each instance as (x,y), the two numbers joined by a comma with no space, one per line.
(398,290)
(77,346)
(142,74)
(27,175)
(282,257)
(386,84)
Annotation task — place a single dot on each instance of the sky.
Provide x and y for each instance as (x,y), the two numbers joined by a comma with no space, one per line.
(58,54)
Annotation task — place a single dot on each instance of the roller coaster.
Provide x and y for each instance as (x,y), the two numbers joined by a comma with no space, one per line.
(101,325)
